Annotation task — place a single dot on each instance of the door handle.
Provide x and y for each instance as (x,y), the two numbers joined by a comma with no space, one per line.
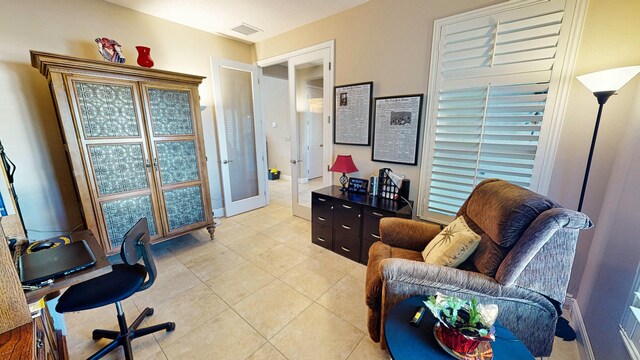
(293,162)
(346,227)
(148,165)
(321,218)
(346,206)
(345,249)
(377,214)
(321,239)
(227,161)
(375,236)
(155,164)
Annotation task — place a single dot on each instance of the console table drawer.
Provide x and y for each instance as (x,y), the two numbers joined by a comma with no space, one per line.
(371,228)
(347,243)
(322,235)
(377,213)
(322,213)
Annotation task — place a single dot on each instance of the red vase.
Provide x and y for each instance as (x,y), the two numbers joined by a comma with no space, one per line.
(144,56)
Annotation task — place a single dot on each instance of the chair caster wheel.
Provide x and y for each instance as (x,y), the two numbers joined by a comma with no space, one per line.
(172,326)
(150,312)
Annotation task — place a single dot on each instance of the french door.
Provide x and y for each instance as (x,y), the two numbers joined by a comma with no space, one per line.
(240,136)
(310,86)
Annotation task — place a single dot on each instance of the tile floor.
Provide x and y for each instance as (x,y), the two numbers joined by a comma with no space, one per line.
(260,290)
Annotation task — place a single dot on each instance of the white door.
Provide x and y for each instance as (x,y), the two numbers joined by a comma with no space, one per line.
(304,70)
(240,136)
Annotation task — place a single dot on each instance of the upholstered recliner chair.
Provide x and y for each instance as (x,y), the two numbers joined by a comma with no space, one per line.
(522,263)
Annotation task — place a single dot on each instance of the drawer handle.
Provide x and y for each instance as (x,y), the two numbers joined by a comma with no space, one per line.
(346,227)
(346,206)
(377,214)
(321,199)
(321,239)
(345,249)
(321,218)
(375,236)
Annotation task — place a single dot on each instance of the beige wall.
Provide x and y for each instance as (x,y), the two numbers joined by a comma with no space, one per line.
(28,126)
(608,255)
(387,42)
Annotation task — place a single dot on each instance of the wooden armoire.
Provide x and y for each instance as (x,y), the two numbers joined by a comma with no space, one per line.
(134,142)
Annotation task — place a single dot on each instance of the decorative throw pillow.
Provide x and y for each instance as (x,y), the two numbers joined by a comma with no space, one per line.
(453,245)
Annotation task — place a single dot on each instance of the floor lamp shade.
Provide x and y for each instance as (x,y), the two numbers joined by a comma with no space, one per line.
(603,84)
(343,164)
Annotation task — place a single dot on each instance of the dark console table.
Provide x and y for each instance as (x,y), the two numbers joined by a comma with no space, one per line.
(348,223)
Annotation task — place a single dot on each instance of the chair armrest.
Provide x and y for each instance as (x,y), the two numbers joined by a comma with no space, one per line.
(414,274)
(407,234)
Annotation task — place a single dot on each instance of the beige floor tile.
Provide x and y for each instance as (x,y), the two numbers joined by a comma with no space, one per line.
(239,282)
(171,281)
(272,307)
(317,334)
(267,352)
(283,231)
(339,262)
(305,246)
(210,265)
(279,260)
(346,299)
(312,278)
(157,356)
(81,324)
(187,248)
(251,246)
(368,350)
(227,233)
(564,350)
(264,222)
(188,310)
(226,336)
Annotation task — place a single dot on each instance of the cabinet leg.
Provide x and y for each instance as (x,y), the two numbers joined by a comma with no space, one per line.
(212,230)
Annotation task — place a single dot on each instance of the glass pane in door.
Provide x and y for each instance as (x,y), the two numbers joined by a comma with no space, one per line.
(237,102)
(107,110)
(118,168)
(177,161)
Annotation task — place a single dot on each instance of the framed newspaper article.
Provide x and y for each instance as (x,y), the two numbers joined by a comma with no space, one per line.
(396,128)
(352,114)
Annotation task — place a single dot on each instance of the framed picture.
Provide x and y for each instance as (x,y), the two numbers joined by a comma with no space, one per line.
(358,185)
(396,128)
(352,114)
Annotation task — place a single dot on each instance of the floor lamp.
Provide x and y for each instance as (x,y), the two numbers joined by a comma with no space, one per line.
(603,84)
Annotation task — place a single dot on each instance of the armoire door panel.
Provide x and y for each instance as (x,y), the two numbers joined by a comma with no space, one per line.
(184,206)
(107,110)
(170,112)
(121,214)
(118,168)
(177,161)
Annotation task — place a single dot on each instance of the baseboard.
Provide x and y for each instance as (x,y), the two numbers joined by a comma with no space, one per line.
(285,177)
(575,317)
(218,213)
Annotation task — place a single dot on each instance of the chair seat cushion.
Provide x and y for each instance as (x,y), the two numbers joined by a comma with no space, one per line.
(109,288)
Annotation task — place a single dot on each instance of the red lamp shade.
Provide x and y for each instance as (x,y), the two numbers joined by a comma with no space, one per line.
(344,164)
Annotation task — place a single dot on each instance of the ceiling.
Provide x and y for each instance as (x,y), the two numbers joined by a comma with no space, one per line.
(218,17)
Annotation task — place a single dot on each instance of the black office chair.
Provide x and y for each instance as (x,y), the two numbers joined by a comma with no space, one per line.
(125,280)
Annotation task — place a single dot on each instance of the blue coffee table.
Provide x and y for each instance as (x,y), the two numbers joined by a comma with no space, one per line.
(408,342)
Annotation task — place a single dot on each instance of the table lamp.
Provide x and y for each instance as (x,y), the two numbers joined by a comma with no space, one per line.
(343,164)
(603,84)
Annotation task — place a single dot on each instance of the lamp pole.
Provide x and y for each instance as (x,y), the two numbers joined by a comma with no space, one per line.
(602,97)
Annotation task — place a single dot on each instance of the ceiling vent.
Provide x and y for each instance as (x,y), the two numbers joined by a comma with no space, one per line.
(246,29)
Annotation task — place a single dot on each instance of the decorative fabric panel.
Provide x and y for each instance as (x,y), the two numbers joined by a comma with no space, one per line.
(178,161)
(120,215)
(107,110)
(184,206)
(170,112)
(118,168)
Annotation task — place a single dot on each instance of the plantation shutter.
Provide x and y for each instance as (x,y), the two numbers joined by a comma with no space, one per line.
(489,99)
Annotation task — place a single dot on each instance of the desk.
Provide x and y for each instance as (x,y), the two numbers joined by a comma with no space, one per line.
(38,339)
(408,342)
(101,267)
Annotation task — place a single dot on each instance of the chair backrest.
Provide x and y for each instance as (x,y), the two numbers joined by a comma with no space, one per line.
(137,245)
(526,239)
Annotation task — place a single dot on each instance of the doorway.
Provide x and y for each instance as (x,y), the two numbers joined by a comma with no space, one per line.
(308,134)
